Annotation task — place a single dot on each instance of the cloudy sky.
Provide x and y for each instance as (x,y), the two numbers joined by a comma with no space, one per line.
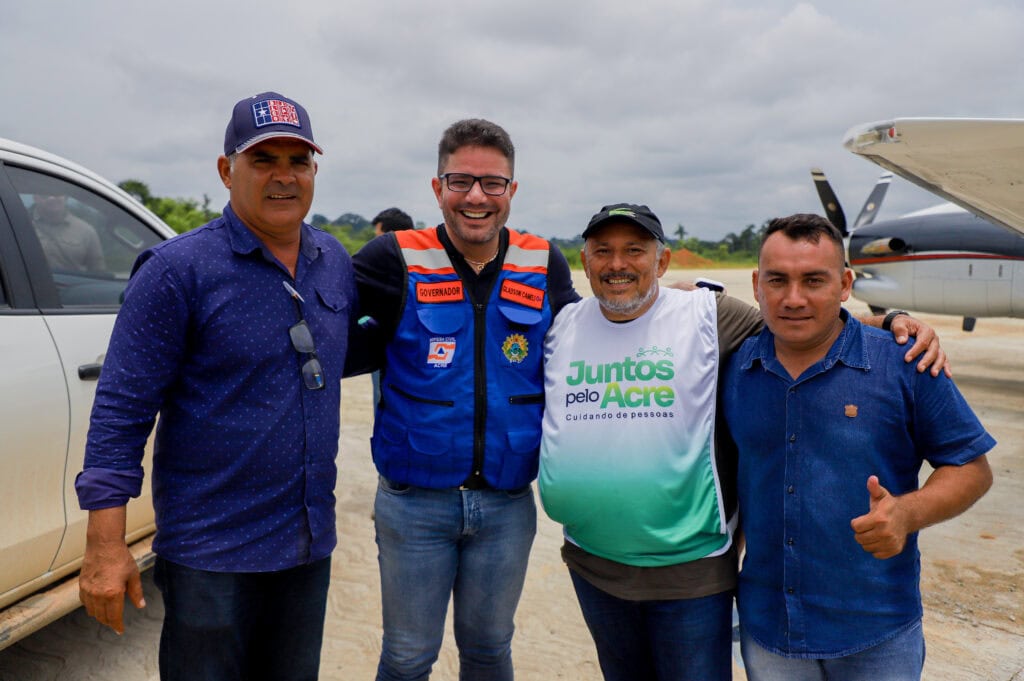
(711,112)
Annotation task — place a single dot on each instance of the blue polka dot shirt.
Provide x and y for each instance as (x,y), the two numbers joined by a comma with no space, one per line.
(244,454)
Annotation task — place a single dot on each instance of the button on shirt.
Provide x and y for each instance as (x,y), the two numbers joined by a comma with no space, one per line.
(806,449)
(244,454)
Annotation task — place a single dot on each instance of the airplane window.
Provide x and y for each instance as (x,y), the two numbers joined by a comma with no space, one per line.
(89,242)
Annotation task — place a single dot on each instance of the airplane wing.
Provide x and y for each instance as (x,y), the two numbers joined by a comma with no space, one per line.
(977,163)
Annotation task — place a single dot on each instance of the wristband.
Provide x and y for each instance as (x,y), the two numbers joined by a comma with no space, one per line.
(887,322)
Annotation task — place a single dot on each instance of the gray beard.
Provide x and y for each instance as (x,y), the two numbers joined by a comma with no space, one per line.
(627,307)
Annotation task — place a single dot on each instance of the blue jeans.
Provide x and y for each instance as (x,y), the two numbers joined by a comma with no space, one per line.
(672,640)
(375,379)
(899,659)
(235,626)
(469,545)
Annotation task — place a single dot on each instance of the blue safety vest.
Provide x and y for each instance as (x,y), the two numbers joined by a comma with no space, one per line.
(463,386)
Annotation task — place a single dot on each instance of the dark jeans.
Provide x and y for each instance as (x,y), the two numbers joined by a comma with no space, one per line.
(673,640)
(235,626)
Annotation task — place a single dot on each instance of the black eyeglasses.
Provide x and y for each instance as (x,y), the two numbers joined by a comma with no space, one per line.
(492,185)
(302,341)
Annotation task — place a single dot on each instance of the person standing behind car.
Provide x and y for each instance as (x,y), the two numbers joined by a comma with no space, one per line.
(69,242)
(236,334)
(461,312)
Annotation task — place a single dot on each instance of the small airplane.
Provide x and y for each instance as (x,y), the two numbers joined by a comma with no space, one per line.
(965,259)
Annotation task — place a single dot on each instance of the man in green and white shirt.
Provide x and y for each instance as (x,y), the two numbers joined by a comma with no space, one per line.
(632,461)
(629,463)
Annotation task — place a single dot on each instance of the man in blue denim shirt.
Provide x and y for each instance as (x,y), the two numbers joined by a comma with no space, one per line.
(832,428)
(236,334)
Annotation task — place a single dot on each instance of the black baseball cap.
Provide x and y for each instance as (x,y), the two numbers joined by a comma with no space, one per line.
(641,216)
(266,116)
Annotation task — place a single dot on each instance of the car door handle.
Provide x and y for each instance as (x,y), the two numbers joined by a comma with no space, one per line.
(89,372)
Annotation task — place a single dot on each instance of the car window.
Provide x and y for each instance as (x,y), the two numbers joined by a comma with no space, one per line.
(89,242)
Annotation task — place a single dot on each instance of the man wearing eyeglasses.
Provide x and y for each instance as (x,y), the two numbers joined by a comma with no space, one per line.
(461,311)
(236,334)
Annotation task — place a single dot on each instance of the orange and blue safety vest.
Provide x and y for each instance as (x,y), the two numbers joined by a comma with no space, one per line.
(463,388)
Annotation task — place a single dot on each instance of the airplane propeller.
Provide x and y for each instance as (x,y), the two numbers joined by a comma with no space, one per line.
(834,211)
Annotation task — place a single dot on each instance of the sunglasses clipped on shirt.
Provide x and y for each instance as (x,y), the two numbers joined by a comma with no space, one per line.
(302,341)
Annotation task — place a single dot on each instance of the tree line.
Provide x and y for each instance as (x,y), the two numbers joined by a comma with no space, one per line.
(353,230)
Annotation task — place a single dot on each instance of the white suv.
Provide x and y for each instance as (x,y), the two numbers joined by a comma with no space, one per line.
(68,239)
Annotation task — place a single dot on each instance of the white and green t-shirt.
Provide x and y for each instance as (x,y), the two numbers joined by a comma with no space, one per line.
(627,459)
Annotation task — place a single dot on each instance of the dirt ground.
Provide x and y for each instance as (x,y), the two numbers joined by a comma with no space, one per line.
(972,584)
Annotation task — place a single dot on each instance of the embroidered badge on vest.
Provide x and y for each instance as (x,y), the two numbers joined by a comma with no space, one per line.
(439,292)
(515,348)
(522,294)
(442,351)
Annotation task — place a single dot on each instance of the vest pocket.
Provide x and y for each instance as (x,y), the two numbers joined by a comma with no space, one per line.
(519,463)
(397,444)
(443,318)
(430,442)
(421,442)
(524,442)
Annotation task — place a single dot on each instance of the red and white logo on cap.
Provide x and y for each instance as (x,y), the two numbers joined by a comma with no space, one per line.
(274,111)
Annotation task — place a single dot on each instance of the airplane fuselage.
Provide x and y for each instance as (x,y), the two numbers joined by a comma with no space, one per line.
(942,261)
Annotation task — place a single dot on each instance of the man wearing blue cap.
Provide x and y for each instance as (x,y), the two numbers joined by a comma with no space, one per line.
(216,334)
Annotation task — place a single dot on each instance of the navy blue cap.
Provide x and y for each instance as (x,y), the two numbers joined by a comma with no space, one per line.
(641,216)
(266,116)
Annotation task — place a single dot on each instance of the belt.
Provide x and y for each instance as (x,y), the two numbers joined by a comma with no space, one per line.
(471,483)
(474,482)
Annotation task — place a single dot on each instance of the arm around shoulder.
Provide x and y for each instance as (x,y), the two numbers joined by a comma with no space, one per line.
(737,321)
(926,345)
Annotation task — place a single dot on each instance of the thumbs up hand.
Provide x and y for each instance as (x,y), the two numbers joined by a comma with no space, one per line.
(883,530)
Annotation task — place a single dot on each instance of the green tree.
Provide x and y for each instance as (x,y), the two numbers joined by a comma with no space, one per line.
(572,256)
(353,219)
(180,214)
(137,189)
(680,235)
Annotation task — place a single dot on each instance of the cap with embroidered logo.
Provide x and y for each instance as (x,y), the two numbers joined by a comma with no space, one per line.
(266,116)
(638,215)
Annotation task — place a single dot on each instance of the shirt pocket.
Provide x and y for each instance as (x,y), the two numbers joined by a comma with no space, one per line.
(330,327)
(334,299)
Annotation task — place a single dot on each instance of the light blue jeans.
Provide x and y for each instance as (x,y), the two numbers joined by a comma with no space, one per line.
(899,659)
(469,545)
